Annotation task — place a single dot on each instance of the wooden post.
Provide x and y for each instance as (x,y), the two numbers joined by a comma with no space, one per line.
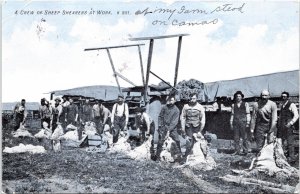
(113,68)
(149,65)
(142,71)
(177,59)
(141,64)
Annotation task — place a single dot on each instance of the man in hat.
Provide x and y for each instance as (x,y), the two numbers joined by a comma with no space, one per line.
(65,103)
(192,120)
(240,122)
(264,119)
(105,116)
(96,115)
(45,112)
(86,112)
(144,123)
(72,113)
(286,125)
(119,117)
(56,114)
(20,114)
(167,123)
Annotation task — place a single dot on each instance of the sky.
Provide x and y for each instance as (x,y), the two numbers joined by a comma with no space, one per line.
(43,42)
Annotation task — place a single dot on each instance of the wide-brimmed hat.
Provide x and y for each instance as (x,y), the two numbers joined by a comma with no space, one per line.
(120,96)
(238,92)
(57,99)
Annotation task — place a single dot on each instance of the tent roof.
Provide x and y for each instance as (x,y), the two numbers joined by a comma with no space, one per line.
(250,86)
(98,92)
(276,83)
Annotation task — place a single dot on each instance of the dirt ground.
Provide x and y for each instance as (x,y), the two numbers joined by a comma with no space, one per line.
(74,170)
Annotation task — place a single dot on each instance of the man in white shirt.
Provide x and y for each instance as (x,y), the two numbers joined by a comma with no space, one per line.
(286,124)
(119,117)
(192,120)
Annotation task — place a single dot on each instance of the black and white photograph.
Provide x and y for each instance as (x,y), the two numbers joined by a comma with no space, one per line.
(134,96)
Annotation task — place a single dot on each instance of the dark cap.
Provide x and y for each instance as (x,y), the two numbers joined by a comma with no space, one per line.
(57,99)
(100,101)
(120,96)
(238,92)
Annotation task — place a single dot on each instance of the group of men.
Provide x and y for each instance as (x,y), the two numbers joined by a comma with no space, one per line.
(262,125)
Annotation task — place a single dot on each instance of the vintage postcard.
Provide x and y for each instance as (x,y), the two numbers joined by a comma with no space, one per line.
(63,61)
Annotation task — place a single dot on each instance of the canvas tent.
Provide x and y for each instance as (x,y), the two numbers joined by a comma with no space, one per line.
(252,86)
(105,93)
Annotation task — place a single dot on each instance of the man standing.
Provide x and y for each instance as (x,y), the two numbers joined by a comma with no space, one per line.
(45,112)
(72,113)
(20,114)
(192,120)
(288,117)
(86,112)
(144,123)
(105,116)
(240,122)
(65,104)
(56,114)
(85,116)
(167,122)
(263,121)
(119,117)
(96,115)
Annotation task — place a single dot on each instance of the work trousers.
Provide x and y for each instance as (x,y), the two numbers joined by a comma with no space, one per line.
(288,140)
(119,124)
(18,120)
(162,135)
(190,130)
(260,131)
(240,131)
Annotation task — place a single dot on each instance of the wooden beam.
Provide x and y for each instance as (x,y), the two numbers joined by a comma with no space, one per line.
(149,65)
(113,68)
(177,59)
(142,71)
(111,47)
(125,79)
(141,64)
(162,80)
(157,37)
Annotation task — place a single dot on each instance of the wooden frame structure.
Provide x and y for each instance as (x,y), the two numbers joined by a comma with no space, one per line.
(151,44)
(116,74)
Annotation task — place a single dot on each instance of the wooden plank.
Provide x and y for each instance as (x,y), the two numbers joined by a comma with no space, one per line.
(148,65)
(141,64)
(125,79)
(177,59)
(113,68)
(162,80)
(157,37)
(110,47)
